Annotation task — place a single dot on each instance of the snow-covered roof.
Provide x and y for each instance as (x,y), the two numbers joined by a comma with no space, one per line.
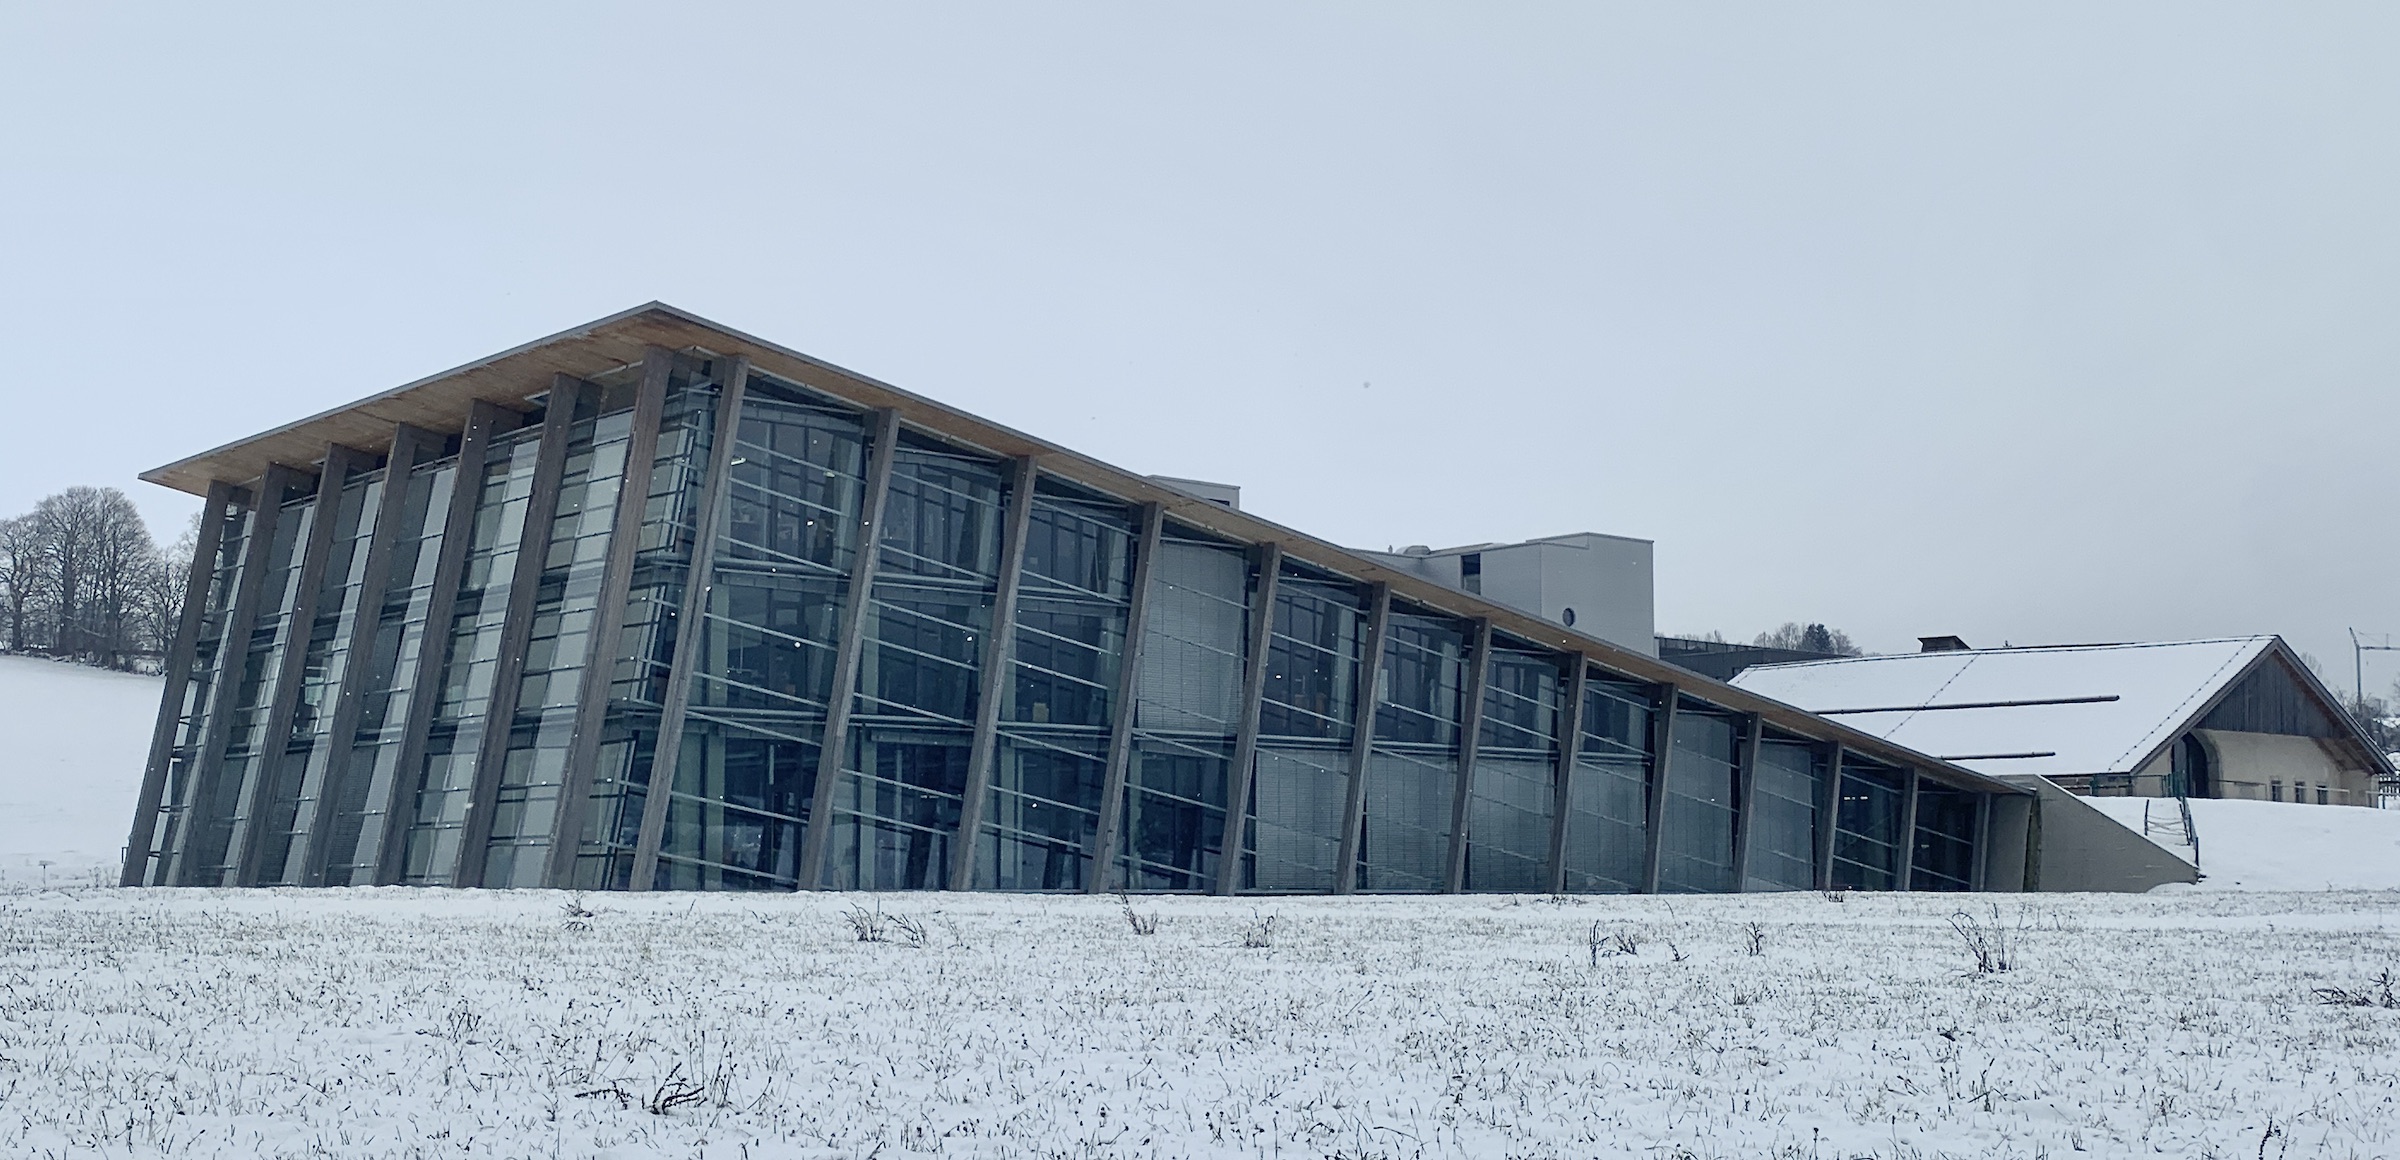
(2062,710)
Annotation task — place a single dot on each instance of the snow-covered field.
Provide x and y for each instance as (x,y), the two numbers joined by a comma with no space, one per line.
(72,743)
(399,1023)
(409,1023)
(2247,845)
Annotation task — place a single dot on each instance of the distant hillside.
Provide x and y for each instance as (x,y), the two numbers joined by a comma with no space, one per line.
(72,743)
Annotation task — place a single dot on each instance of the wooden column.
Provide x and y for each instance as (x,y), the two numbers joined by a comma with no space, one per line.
(241,617)
(1121,703)
(1976,871)
(1470,738)
(298,626)
(690,624)
(484,420)
(1662,764)
(1907,856)
(1240,774)
(366,613)
(856,607)
(1570,754)
(1829,812)
(142,841)
(608,618)
(1362,737)
(1745,799)
(999,653)
(516,631)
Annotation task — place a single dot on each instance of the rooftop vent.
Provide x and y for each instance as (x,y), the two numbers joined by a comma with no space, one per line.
(1942,644)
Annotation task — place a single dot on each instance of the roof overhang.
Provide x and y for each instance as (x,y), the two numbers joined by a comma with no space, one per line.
(441,402)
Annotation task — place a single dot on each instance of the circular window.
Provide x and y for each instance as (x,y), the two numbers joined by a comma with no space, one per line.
(1567,618)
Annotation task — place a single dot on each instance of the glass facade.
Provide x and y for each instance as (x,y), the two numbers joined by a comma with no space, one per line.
(516,678)
(1867,845)
(1513,796)
(1308,715)
(1412,762)
(1608,801)
(1187,707)
(1786,786)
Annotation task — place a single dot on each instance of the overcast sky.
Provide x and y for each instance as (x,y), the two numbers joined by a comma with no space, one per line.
(2026,324)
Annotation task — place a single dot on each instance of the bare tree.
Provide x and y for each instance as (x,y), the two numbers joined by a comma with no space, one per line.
(1812,637)
(20,576)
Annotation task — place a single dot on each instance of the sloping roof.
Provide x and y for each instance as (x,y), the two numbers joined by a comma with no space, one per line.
(442,401)
(2082,709)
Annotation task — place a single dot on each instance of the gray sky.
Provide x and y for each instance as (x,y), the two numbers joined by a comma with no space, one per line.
(2023,323)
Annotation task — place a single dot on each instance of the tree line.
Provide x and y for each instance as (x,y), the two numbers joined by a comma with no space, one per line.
(82,579)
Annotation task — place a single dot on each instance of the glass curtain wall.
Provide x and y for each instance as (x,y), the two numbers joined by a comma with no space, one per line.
(1608,801)
(1514,793)
(1050,767)
(937,568)
(230,787)
(566,607)
(1186,712)
(300,777)
(1945,838)
(1306,727)
(1412,764)
(442,784)
(354,836)
(1866,836)
(763,672)
(645,655)
(209,657)
(1704,781)
(1787,784)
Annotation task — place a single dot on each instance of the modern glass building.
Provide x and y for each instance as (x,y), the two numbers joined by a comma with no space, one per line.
(652,604)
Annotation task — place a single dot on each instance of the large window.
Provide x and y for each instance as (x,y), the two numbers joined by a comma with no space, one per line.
(904,776)
(747,774)
(1514,794)
(1307,721)
(227,791)
(300,776)
(211,652)
(1945,839)
(1867,845)
(1786,786)
(1186,712)
(1412,766)
(1608,802)
(1695,849)
(1041,817)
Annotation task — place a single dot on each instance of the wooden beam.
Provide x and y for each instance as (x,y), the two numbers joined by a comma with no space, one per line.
(516,630)
(690,628)
(998,669)
(1662,765)
(1362,736)
(1240,775)
(1122,699)
(859,602)
(433,649)
(1570,754)
(1745,799)
(1470,739)
(141,843)
(608,619)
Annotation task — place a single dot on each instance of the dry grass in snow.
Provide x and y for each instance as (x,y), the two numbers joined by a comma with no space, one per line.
(400,1023)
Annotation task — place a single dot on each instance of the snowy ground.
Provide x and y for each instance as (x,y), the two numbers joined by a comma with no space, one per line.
(397,1023)
(72,743)
(2248,845)
(403,1023)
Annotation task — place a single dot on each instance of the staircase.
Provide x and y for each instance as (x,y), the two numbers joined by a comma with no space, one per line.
(2171,827)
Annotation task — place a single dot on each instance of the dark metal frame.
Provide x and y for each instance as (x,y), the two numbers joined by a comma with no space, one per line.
(141,841)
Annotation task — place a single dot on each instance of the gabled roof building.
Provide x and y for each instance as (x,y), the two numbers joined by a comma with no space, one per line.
(654,604)
(2233,718)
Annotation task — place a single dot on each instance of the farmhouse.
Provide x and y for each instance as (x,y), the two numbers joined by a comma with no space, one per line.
(653,604)
(2234,718)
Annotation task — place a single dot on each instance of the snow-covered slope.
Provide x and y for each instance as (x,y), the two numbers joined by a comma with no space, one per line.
(2246,845)
(72,742)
